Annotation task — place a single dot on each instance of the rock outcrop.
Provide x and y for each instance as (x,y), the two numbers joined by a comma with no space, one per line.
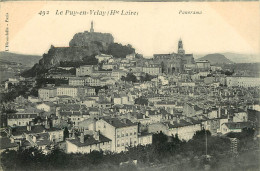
(86,38)
(82,45)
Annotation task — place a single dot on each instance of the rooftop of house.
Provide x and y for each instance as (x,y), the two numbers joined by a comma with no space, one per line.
(48,88)
(69,113)
(143,134)
(43,139)
(238,125)
(6,143)
(21,116)
(23,129)
(117,123)
(36,129)
(197,108)
(89,140)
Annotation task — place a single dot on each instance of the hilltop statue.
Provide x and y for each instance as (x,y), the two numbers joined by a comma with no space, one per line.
(92,27)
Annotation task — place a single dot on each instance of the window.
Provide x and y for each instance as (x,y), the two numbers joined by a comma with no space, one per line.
(134,133)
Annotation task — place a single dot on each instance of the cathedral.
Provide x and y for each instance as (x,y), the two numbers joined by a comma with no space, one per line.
(174,62)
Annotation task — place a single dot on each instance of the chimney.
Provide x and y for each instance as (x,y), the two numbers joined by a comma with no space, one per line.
(96,135)
(10,131)
(226,112)
(81,137)
(73,134)
(124,120)
(147,113)
(29,128)
(34,139)
(219,112)
(178,120)
(94,124)
(47,125)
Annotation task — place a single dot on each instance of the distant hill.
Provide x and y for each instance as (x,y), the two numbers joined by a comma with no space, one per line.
(216,58)
(26,60)
(242,58)
(236,57)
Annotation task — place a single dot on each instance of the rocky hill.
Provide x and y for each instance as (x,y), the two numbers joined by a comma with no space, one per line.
(83,47)
(216,58)
(87,38)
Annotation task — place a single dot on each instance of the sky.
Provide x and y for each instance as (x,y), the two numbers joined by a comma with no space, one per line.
(222,26)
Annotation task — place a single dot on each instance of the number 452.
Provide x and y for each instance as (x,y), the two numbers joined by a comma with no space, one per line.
(43,13)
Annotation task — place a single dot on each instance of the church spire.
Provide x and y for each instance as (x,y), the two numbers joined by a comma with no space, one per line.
(180,47)
(92,27)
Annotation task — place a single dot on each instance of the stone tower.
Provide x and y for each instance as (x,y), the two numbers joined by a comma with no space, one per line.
(92,27)
(180,48)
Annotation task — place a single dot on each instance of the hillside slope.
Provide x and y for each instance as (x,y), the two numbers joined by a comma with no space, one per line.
(26,60)
(216,58)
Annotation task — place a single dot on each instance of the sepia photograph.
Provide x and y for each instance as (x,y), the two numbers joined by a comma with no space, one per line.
(129,86)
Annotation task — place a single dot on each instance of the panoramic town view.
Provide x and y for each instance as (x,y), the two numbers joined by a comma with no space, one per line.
(100,104)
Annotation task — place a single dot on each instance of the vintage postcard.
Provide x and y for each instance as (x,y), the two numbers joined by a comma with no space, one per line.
(120,85)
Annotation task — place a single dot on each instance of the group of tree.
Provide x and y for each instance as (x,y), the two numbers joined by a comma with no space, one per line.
(87,60)
(129,77)
(42,81)
(141,101)
(118,50)
(146,77)
(15,91)
(164,150)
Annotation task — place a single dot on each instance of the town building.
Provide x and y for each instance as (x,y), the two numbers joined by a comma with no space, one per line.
(123,133)
(174,62)
(234,127)
(152,69)
(203,65)
(88,143)
(47,93)
(84,70)
(103,58)
(243,82)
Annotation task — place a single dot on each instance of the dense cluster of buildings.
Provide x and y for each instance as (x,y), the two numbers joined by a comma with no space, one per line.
(97,110)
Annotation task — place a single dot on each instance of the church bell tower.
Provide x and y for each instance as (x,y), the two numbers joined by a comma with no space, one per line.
(180,47)
(92,27)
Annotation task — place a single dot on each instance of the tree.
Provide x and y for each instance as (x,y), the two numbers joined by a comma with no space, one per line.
(160,138)
(129,77)
(66,133)
(141,101)
(119,51)
(147,77)
(228,73)
(200,135)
